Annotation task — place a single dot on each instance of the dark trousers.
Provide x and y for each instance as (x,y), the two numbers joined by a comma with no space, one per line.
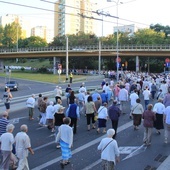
(90,117)
(74,124)
(114,126)
(71,79)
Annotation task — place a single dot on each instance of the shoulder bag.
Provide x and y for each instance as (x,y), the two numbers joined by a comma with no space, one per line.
(106,146)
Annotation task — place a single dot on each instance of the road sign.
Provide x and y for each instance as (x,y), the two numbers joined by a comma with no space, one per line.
(59,71)
(59,66)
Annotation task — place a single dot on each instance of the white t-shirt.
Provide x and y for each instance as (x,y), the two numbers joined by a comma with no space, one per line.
(7,139)
(133,98)
(159,108)
(146,94)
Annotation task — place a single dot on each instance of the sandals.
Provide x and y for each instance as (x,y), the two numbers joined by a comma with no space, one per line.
(64,163)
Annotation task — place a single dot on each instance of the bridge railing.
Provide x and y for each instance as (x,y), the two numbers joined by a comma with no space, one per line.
(90,47)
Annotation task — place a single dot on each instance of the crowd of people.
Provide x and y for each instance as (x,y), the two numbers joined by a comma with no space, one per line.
(142,96)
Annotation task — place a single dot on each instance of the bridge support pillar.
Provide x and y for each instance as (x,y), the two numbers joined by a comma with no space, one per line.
(137,63)
(54,65)
(1,65)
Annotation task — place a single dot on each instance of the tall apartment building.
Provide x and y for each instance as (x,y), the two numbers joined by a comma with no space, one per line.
(10,18)
(42,32)
(67,19)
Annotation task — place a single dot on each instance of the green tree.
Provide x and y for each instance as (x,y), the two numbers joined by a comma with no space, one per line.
(11,34)
(33,41)
(1,35)
(148,36)
(161,28)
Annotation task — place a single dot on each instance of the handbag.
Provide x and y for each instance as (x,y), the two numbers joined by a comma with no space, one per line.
(132,112)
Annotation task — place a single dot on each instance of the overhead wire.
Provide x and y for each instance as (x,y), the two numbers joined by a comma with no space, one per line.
(49,10)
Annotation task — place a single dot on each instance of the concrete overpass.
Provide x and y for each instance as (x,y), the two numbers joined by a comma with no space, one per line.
(88,51)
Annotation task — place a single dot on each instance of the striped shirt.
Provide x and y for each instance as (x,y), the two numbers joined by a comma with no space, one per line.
(3,124)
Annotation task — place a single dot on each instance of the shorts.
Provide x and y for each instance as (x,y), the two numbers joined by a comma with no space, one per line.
(7,105)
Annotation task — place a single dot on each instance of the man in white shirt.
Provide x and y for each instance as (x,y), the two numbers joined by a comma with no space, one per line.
(167,123)
(23,145)
(7,140)
(146,95)
(133,97)
(123,98)
(31,104)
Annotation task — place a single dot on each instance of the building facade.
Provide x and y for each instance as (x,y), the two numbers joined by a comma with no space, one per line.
(68,17)
(42,32)
(10,18)
(130,29)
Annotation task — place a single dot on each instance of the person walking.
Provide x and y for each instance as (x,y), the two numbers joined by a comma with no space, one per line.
(114,114)
(65,137)
(159,111)
(109,151)
(72,97)
(146,95)
(7,97)
(166,100)
(148,122)
(30,103)
(123,98)
(58,121)
(71,77)
(137,111)
(167,123)
(81,101)
(50,116)
(43,106)
(102,118)
(58,93)
(74,115)
(153,90)
(7,141)
(90,110)
(67,92)
(23,145)
(3,122)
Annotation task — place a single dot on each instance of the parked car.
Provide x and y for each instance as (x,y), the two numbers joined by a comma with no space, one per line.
(13,85)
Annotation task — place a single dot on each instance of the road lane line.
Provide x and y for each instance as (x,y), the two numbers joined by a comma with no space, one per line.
(121,128)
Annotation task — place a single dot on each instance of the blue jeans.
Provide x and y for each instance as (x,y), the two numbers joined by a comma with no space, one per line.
(146,104)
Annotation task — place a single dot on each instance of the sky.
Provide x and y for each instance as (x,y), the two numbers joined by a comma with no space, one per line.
(142,13)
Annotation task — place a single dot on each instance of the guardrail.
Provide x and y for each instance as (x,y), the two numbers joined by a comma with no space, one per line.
(89,48)
(49,94)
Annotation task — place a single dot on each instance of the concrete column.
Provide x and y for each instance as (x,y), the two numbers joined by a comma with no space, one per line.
(1,66)
(137,63)
(54,65)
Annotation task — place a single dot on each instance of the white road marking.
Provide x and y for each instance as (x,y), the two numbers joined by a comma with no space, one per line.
(139,150)
(16,120)
(121,128)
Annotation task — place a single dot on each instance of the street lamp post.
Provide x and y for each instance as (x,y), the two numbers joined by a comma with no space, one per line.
(66,58)
(117,39)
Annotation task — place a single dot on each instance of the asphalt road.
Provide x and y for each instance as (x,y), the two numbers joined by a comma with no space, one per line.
(134,156)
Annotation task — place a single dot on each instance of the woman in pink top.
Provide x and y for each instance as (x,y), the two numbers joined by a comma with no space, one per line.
(116,91)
